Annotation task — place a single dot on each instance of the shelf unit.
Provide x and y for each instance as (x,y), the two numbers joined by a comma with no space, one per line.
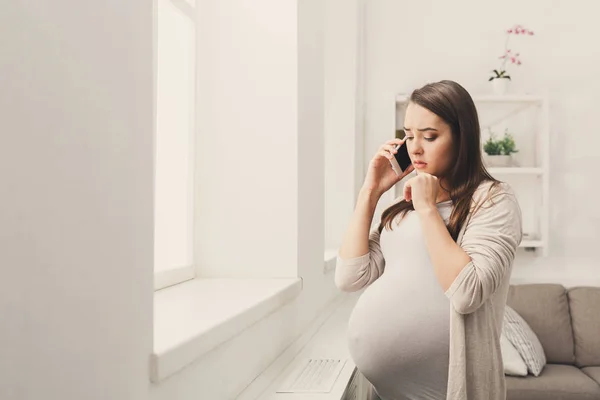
(516,171)
(531,182)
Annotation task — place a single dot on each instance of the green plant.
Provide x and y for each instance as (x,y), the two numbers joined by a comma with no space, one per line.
(492,147)
(508,144)
(505,146)
(499,75)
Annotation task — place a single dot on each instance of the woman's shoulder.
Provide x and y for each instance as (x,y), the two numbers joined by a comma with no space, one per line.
(490,193)
(495,209)
(489,189)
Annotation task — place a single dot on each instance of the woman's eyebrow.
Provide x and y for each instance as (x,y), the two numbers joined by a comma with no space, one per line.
(422,130)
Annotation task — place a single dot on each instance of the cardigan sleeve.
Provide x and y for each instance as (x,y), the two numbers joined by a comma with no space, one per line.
(491,238)
(353,274)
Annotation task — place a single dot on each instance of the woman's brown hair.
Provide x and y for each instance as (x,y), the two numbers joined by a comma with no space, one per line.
(453,104)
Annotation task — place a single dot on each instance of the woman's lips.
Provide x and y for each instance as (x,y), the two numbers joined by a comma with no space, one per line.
(419,164)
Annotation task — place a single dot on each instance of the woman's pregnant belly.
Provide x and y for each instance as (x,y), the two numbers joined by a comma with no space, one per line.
(398,335)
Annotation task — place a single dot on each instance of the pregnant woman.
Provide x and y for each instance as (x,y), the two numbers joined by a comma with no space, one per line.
(437,268)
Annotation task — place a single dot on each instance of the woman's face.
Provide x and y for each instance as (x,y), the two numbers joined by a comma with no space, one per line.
(429,141)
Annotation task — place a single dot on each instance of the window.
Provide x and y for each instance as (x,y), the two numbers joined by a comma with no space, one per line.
(343,127)
(175,68)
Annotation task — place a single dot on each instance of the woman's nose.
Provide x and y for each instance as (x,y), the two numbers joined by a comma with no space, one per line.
(416,147)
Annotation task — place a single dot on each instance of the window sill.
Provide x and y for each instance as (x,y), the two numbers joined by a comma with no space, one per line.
(194,317)
(173,276)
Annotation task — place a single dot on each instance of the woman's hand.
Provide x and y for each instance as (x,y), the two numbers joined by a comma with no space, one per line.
(380,175)
(422,190)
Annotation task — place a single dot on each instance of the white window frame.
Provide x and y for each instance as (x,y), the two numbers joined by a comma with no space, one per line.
(182,273)
(173,276)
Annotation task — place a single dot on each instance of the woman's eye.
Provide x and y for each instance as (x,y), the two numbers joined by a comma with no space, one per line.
(431,139)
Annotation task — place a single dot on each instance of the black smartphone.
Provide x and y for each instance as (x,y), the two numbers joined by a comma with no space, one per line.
(401,160)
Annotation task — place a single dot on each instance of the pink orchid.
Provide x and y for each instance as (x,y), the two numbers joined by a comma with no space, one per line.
(508,54)
(517,29)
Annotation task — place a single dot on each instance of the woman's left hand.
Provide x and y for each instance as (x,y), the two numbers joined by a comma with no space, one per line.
(422,190)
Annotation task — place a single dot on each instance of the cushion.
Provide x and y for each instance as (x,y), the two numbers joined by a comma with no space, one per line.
(585,315)
(563,382)
(545,308)
(592,372)
(513,363)
(520,335)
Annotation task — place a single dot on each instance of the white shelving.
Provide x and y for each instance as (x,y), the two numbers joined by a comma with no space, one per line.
(530,181)
(516,171)
(532,243)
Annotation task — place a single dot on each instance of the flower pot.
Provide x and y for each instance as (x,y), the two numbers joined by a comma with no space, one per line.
(498,161)
(500,85)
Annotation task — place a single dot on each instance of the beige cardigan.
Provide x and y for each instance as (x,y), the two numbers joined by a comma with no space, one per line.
(477,296)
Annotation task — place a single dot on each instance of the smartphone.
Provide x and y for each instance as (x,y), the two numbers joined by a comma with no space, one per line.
(401,160)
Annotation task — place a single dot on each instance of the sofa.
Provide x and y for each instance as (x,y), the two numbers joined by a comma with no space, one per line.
(567,324)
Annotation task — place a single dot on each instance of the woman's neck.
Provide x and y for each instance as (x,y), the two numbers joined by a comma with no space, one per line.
(442,195)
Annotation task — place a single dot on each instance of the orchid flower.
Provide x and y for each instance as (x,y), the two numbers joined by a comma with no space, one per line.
(508,55)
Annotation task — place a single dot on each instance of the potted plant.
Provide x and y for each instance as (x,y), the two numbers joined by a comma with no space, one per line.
(499,152)
(501,77)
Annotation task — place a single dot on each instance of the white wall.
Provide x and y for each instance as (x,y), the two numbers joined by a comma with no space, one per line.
(411,43)
(76,230)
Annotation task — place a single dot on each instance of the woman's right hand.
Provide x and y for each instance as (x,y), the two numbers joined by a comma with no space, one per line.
(380,175)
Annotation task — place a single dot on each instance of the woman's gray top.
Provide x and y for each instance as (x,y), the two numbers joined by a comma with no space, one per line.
(398,332)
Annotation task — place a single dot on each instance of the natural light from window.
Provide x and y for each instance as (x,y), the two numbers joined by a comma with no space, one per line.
(175,110)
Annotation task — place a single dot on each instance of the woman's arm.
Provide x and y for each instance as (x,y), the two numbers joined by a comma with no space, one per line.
(447,257)
(360,260)
(356,239)
(470,273)
(353,274)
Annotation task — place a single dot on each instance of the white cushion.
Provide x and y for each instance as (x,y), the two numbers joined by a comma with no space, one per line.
(513,363)
(522,337)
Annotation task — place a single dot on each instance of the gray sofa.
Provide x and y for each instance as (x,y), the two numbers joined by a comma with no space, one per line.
(567,323)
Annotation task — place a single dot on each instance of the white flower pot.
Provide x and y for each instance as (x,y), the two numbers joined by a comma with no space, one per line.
(500,85)
(498,161)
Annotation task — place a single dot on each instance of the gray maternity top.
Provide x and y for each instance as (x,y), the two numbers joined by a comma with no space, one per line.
(398,333)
